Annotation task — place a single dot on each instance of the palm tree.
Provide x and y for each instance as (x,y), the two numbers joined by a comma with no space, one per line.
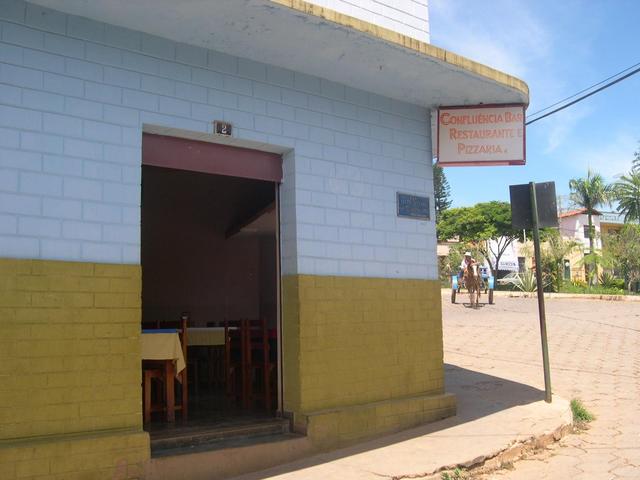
(627,193)
(589,193)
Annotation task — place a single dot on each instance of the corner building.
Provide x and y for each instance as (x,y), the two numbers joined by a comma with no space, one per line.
(110,171)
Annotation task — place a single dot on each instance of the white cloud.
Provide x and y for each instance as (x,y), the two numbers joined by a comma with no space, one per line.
(512,40)
(559,125)
(611,159)
(510,36)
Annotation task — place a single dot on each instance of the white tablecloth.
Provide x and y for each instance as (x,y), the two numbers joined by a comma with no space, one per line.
(163,346)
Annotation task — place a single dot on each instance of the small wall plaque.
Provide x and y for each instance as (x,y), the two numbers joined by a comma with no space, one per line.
(221,128)
(413,206)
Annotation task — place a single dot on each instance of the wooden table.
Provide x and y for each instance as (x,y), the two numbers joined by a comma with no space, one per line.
(163,346)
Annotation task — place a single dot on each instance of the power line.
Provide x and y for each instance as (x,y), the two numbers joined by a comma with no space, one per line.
(579,99)
(584,90)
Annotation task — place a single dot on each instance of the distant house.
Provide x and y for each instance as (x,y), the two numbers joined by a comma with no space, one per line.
(610,222)
(574,224)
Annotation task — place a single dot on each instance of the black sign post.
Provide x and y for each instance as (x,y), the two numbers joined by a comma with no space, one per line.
(526,214)
(540,289)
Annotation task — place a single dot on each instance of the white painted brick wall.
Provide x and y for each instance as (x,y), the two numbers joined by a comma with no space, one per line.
(409,17)
(74,94)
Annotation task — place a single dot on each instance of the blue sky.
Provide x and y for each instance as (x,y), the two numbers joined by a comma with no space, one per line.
(558,47)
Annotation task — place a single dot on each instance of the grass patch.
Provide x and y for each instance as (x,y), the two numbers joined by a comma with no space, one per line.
(593,290)
(456,474)
(580,414)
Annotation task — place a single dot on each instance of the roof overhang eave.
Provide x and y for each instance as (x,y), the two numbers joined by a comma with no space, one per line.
(305,38)
(411,45)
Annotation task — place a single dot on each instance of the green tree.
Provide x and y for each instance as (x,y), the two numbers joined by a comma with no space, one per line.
(623,251)
(441,191)
(627,193)
(635,165)
(478,225)
(589,193)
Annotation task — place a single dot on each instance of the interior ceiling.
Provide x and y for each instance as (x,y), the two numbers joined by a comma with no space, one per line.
(216,201)
(264,224)
(264,31)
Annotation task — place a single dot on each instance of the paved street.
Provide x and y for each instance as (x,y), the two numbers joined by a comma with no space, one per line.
(594,348)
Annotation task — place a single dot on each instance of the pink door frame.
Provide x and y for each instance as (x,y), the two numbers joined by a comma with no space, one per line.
(215,158)
(206,157)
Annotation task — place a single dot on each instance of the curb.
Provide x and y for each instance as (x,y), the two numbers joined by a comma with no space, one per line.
(517,451)
(496,460)
(560,296)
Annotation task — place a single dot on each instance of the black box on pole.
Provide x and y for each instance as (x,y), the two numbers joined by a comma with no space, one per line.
(521,205)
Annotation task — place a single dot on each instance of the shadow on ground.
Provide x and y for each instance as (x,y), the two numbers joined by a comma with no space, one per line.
(478,395)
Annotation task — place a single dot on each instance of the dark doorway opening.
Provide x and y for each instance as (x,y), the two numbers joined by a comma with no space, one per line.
(209,253)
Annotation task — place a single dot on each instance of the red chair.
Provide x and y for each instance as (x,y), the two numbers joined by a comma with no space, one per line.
(259,364)
(249,368)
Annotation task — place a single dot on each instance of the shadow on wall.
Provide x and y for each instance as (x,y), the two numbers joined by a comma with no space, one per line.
(478,395)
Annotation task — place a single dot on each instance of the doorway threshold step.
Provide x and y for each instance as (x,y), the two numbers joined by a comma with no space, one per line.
(214,437)
(228,458)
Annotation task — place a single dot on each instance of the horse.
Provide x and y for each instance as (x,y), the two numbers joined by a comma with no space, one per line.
(472,281)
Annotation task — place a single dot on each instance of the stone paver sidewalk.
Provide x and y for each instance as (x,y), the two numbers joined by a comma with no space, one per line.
(594,347)
(493,363)
(485,426)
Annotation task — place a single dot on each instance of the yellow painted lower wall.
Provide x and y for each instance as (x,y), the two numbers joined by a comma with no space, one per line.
(346,425)
(111,455)
(363,356)
(70,403)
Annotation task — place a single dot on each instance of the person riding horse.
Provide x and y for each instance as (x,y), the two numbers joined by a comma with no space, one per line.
(467,261)
(470,274)
(475,278)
